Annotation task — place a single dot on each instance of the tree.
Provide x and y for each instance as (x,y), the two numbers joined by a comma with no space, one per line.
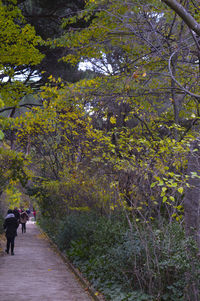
(143,103)
(133,79)
(46,17)
(18,52)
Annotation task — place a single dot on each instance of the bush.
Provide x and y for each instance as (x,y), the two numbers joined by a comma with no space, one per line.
(147,263)
(1,218)
(75,227)
(1,224)
(49,226)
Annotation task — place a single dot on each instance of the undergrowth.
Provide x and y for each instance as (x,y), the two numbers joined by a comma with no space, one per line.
(145,263)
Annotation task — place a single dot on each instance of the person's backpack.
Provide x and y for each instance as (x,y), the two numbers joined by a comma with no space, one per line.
(23,217)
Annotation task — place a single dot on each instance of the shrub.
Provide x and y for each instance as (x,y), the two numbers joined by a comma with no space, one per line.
(147,263)
(1,224)
(49,226)
(75,227)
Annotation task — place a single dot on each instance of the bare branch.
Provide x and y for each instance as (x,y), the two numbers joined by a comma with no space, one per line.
(184,14)
(26,105)
(197,96)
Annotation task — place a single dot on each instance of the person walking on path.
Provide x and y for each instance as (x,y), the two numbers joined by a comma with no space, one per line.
(10,225)
(23,219)
(34,214)
(16,213)
(38,273)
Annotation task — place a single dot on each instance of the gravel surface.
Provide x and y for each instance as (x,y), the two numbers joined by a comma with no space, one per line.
(36,272)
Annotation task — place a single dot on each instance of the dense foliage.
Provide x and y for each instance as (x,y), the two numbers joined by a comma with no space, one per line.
(144,264)
(122,142)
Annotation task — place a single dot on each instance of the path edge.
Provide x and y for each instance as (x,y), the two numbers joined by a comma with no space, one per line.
(86,285)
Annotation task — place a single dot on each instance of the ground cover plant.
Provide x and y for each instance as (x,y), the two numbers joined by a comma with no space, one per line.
(146,263)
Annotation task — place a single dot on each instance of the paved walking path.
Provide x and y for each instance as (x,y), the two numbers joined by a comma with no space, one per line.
(36,272)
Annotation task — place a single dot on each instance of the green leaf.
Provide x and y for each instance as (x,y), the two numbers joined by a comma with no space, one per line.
(1,135)
(164,199)
(180,190)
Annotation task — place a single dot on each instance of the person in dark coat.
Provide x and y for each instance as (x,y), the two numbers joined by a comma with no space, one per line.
(16,213)
(10,225)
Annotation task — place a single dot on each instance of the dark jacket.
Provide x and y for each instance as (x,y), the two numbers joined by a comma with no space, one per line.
(10,225)
(16,214)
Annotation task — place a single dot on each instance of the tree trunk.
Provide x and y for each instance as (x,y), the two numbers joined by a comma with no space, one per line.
(184,14)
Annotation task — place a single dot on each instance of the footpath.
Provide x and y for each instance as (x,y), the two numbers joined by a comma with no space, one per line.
(36,272)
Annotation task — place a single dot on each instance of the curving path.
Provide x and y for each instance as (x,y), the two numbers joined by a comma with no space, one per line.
(36,272)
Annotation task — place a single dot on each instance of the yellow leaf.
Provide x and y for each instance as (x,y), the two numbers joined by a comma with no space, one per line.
(164,199)
(180,190)
(112,120)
